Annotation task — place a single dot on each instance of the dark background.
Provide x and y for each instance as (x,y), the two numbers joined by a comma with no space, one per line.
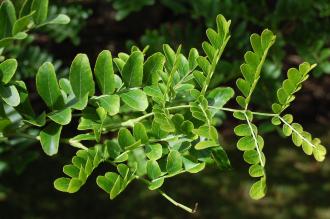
(298,186)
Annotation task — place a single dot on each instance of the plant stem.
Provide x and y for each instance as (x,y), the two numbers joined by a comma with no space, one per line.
(265,114)
(131,122)
(255,140)
(190,210)
(294,130)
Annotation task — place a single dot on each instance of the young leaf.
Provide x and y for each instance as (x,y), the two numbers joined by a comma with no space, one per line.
(153,169)
(22,23)
(48,87)
(50,138)
(62,117)
(258,189)
(111,103)
(104,72)
(152,67)
(174,162)
(7,70)
(8,18)
(41,8)
(81,77)
(133,70)
(136,99)
(10,95)
(125,138)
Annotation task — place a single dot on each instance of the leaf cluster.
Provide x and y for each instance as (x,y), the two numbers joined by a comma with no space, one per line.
(152,117)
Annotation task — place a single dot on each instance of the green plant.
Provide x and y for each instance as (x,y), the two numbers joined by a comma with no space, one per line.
(159,108)
(18,21)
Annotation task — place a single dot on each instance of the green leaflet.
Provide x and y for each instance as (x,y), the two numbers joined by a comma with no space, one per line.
(83,164)
(114,183)
(252,67)
(62,117)
(153,169)
(174,162)
(152,67)
(50,138)
(22,23)
(310,145)
(10,95)
(258,189)
(133,70)
(81,77)
(136,99)
(218,40)
(220,96)
(8,18)
(156,119)
(7,70)
(295,77)
(154,151)
(104,72)
(41,9)
(111,103)
(163,118)
(48,87)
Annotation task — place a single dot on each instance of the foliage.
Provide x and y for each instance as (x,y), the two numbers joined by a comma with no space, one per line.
(159,107)
(78,16)
(246,16)
(18,23)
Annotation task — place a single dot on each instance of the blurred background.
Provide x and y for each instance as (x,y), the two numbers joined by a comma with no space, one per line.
(298,186)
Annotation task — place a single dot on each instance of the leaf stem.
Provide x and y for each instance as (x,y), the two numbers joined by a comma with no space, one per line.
(182,206)
(255,140)
(294,130)
(131,122)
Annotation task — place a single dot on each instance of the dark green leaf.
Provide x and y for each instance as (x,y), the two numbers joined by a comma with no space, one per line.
(48,87)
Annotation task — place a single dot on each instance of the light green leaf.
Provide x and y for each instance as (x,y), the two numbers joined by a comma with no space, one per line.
(111,103)
(23,23)
(205,144)
(136,99)
(7,70)
(258,189)
(41,9)
(152,67)
(153,169)
(154,151)
(10,95)
(155,184)
(81,77)
(125,138)
(60,19)
(140,133)
(133,70)
(219,97)
(244,130)
(104,72)
(62,117)
(256,170)
(50,138)
(246,143)
(64,184)
(251,157)
(174,162)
